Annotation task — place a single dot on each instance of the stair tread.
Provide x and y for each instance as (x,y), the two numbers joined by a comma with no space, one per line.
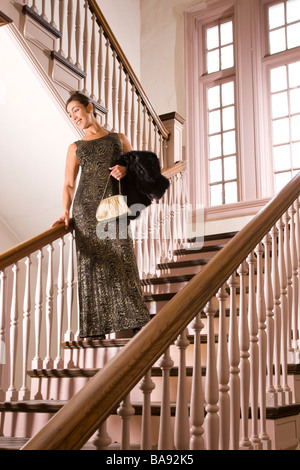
(44,406)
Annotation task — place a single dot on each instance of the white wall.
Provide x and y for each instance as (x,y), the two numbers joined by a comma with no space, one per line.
(123,17)
(162,53)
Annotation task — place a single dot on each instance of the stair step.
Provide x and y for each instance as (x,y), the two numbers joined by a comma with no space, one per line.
(52,406)
(96,343)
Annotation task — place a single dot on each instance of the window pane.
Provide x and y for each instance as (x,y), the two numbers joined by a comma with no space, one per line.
(281,179)
(215,171)
(280,105)
(294,74)
(292,10)
(213,62)
(215,146)
(295,101)
(281,131)
(228,118)
(216,195)
(213,96)
(214,122)
(296,154)
(230,193)
(278,79)
(276,16)
(229,168)
(229,143)
(282,160)
(226,33)
(212,38)
(295,126)
(293,36)
(227,93)
(277,41)
(227,57)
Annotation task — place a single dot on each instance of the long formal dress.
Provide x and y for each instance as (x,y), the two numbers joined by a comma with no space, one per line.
(109,288)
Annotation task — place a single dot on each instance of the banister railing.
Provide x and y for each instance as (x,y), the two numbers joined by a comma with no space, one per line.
(244,361)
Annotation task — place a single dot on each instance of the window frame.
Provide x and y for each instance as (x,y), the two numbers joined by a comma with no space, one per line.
(255,167)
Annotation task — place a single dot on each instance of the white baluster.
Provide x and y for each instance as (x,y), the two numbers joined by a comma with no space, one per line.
(107,82)
(85,45)
(197,398)
(262,338)
(102,439)
(254,357)
(132,119)
(126,410)
(52,22)
(138,125)
(78,39)
(34,7)
(43,15)
(149,147)
(61,25)
(100,67)
(297,320)
(69,335)
(144,132)
(12,393)
(2,332)
(277,314)
(147,386)
(126,106)
(270,391)
(37,362)
(234,359)
(24,392)
(284,309)
(223,373)
(244,363)
(289,275)
(120,98)
(58,363)
(48,362)
(211,384)
(93,58)
(114,91)
(165,437)
(70,23)
(295,283)
(182,425)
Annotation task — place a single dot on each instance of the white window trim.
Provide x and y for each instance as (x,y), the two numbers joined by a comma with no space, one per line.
(255,165)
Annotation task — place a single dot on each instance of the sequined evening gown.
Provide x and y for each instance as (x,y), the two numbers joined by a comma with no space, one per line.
(109,289)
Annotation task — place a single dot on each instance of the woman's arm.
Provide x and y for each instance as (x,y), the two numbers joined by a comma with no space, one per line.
(71,172)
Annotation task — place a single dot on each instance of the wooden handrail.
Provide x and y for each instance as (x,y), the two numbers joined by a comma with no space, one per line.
(28,247)
(94,7)
(72,426)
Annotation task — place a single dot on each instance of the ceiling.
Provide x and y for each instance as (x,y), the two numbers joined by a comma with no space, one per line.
(34,136)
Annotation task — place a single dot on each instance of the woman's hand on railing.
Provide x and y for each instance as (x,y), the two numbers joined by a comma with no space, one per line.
(65,218)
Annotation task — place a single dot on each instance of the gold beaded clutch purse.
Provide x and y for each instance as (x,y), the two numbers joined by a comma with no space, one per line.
(112,207)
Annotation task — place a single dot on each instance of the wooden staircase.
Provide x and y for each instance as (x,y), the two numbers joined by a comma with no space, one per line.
(51,388)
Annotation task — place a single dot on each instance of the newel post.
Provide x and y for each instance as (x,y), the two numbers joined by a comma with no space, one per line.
(174,123)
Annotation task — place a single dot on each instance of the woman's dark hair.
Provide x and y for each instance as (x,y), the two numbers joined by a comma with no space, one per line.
(82,99)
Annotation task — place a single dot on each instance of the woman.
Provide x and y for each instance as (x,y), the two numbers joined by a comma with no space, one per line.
(110,296)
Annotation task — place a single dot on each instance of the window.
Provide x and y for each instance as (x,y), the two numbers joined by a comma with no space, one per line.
(283,25)
(283,35)
(285,103)
(219,47)
(222,144)
(243,102)
(220,100)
